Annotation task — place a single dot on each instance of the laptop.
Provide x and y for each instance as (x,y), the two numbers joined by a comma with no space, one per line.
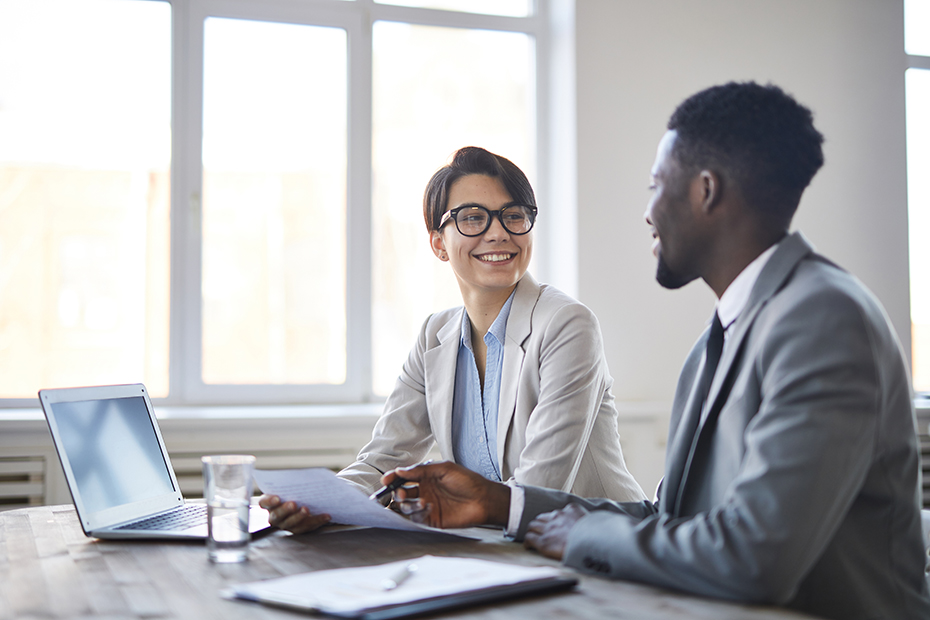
(117,467)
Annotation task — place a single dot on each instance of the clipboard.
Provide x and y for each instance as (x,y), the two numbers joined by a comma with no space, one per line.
(439,584)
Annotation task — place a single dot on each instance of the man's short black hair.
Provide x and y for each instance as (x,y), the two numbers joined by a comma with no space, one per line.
(758,136)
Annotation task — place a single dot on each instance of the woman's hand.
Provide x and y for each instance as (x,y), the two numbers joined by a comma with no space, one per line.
(287,516)
(448,495)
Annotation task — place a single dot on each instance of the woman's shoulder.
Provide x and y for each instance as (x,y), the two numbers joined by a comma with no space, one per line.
(551,297)
(435,322)
(554,304)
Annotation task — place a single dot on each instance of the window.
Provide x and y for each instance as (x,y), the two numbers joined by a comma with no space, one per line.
(917,85)
(223,198)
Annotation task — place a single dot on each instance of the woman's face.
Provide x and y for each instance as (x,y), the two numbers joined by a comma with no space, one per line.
(492,262)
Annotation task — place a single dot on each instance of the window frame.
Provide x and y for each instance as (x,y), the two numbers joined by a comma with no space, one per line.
(915,61)
(357,18)
(551,26)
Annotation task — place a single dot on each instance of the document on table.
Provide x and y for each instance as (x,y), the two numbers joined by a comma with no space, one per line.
(433,583)
(321,492)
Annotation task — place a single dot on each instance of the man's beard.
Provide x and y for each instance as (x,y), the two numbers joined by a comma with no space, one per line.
(668,278)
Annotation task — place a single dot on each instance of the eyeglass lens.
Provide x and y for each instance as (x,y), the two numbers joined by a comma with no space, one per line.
(472,221)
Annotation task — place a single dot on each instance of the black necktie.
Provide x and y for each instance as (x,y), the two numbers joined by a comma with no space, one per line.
(691,422)
(711,356)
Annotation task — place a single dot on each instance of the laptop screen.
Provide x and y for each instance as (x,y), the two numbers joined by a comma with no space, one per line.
(113,451)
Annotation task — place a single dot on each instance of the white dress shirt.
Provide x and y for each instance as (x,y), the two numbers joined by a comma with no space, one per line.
(729,307)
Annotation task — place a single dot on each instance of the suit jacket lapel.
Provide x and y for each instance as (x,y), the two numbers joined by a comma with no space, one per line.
(439,371)
(519,326)
(687,444)
(688,414)
(773,276)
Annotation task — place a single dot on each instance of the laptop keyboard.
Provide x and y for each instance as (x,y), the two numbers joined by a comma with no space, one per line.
(182,518)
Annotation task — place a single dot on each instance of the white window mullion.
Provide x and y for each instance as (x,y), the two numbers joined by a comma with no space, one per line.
(187,98)
(358,222)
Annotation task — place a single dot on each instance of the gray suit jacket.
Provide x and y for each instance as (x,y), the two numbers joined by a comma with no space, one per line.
(800,485)
(557,423)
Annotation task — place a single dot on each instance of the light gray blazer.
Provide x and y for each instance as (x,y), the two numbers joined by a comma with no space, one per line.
(557,423)
(800,486)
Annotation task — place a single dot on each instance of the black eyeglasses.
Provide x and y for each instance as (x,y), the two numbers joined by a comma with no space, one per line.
(472,220)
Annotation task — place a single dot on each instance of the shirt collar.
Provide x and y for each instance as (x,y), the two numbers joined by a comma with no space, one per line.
(735,298)
(498,328)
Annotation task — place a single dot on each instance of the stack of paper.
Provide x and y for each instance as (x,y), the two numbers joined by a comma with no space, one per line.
(433,583)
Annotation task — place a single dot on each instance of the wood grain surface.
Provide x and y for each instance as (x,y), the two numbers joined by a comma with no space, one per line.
(49,569)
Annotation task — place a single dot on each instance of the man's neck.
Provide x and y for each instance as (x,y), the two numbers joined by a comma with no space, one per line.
(732,259)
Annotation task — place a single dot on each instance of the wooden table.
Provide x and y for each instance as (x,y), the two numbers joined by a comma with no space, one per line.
(49,569)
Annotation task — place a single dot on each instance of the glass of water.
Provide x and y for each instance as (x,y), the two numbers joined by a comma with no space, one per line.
(227,488)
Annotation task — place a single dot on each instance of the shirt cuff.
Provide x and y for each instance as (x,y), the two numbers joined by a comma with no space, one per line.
(517,502)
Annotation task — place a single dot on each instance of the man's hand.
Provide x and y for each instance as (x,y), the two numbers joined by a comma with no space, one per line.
(448,495)
(548,533)
(287,516)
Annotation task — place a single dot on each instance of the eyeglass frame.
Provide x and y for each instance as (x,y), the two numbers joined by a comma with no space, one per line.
(452,214)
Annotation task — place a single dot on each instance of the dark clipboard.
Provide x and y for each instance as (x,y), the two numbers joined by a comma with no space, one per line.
(464,599)
(423,606)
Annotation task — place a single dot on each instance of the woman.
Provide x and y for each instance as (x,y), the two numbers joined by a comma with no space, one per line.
(513,385)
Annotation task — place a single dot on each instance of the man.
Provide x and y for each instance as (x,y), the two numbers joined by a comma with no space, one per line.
(792,469)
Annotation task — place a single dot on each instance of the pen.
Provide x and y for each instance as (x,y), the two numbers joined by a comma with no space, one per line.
(393,484)
(400,577)
(388,488)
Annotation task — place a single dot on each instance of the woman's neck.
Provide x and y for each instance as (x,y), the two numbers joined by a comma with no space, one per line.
(483,308)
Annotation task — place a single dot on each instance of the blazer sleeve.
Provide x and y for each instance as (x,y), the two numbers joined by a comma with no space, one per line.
(538,500)
(402,436)
(573,385)
(807,452)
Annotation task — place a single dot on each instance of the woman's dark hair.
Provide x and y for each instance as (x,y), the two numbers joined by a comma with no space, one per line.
(473,160)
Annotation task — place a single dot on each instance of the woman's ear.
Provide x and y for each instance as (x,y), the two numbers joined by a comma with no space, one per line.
(439,248)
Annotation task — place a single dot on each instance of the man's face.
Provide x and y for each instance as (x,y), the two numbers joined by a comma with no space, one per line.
(669,214)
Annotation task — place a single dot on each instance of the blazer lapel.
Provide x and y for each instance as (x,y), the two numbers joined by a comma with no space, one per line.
(773,276)
(686,446)
(519,327)
(679,448)
(439,371)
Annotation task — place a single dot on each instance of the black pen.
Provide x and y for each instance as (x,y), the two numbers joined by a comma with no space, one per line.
(388,488)
(396,483)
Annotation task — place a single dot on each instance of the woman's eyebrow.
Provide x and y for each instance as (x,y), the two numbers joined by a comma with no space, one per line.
(478,204)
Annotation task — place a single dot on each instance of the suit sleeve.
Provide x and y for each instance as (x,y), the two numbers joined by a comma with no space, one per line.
(573,383)
(402,436)
(806,453)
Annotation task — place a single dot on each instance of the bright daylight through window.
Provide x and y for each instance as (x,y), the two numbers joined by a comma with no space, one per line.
(917,84)
(223,198)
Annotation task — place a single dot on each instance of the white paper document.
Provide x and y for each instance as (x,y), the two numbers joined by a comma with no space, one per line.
(322,492)
(439,582)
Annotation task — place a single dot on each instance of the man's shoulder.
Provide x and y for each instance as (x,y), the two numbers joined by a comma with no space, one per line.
(818,280)
(819,294)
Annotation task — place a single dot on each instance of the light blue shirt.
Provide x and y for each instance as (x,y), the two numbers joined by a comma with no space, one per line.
(474,414)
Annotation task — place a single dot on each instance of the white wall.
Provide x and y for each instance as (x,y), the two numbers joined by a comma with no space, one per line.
(637,60)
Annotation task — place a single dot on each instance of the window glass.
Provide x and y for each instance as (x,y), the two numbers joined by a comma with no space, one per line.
(513,8)
(434,90)
(85,149)
(917,27)
(918,199)
(274,203)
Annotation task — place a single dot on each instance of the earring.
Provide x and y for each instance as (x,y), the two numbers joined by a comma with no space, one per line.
(442,256)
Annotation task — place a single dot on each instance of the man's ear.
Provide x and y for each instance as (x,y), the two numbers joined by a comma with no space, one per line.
(439,248)
(707,190)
